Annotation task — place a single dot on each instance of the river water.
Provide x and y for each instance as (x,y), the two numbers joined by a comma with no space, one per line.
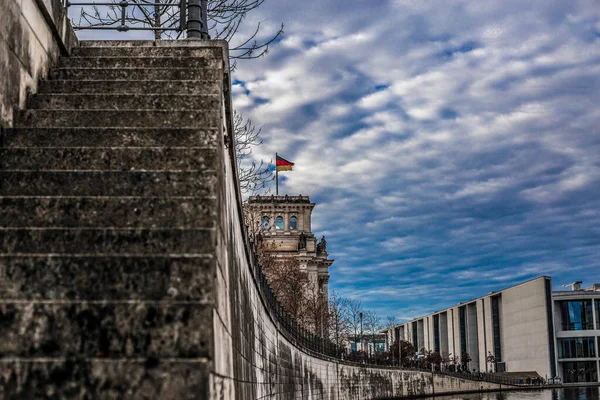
(589,393)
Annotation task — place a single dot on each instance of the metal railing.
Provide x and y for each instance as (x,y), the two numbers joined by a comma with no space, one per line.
(577,326)
(192,16)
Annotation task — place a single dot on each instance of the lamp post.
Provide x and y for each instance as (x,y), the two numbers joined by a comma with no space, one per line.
(197,23)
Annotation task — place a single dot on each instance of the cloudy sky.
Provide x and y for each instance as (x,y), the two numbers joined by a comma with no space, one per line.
(452,147)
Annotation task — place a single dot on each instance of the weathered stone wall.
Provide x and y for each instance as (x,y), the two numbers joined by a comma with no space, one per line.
(33,33)
(254,356)
(107,222)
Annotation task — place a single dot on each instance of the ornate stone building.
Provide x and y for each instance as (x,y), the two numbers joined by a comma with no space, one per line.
(286,221)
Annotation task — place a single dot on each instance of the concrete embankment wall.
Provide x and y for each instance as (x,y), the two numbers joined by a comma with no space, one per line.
(254,356)
(33,34)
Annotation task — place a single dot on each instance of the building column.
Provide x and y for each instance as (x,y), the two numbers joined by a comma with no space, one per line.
(307,227)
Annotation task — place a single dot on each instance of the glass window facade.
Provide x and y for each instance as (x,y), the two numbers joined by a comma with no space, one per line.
(436,332)
(415,336)
(279,222)
(576,315)
(597,306)
(293,223)
(580,371)
(583,347)
(462,316)
(496,328)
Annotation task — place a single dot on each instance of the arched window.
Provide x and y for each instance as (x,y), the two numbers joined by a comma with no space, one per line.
(279,222)
(293,223)
(265,223)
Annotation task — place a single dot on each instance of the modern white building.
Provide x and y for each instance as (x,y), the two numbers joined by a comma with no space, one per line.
(577,328)
(523,328)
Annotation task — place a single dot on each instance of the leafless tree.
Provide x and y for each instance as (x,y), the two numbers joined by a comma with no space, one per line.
(389,325)
(491,360)
(339,322)
(446,358)
(224,21)
(289,283)
(371,322)
(355,312)
(315,311)
(407,351)
(465,359)
(371,325)
(254,177)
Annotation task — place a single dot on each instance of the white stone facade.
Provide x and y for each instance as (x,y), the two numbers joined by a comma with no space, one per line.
(511,324)
(526,327)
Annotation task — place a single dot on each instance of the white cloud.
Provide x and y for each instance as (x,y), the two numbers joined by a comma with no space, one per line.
(439,139)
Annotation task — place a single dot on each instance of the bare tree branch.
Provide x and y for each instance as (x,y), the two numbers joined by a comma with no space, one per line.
(225,18)
(254,177)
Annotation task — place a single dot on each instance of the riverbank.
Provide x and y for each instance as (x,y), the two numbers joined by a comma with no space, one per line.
(503,388)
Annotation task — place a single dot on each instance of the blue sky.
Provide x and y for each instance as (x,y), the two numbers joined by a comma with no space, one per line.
(452,147)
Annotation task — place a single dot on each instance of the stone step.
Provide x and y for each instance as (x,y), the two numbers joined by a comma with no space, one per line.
(206,118)
(188,87)
(96,329)
(102,137)
(140,62)
(124,212)
(110,278)
(124,101)
(108,158)
(105,241)
(107,183)
(146,51)
(102,74)
(104,378)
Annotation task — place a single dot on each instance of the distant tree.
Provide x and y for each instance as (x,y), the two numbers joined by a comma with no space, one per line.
(339,322)
(465,359)
(290,284)
(355,310)
(491,361)
(389,325)
(254,177)
(315,310)
(371,326)
(446,358)
(433,358)
(407,352)
(454,361)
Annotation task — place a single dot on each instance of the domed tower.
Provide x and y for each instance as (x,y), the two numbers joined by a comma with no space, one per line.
(286,221)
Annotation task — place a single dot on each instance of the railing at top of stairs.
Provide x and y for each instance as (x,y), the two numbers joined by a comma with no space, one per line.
(192,15)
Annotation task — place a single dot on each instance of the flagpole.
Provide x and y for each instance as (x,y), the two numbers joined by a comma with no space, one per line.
(276,177)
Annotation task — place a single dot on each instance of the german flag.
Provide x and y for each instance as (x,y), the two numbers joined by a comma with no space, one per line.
(283,165)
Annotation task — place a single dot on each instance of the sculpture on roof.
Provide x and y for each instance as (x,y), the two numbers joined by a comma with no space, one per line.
(302,241)
(322,245)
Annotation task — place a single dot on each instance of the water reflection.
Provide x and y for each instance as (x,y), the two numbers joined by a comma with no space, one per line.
(589,393)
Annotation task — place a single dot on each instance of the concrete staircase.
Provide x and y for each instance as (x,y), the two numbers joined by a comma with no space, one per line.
(107,225)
